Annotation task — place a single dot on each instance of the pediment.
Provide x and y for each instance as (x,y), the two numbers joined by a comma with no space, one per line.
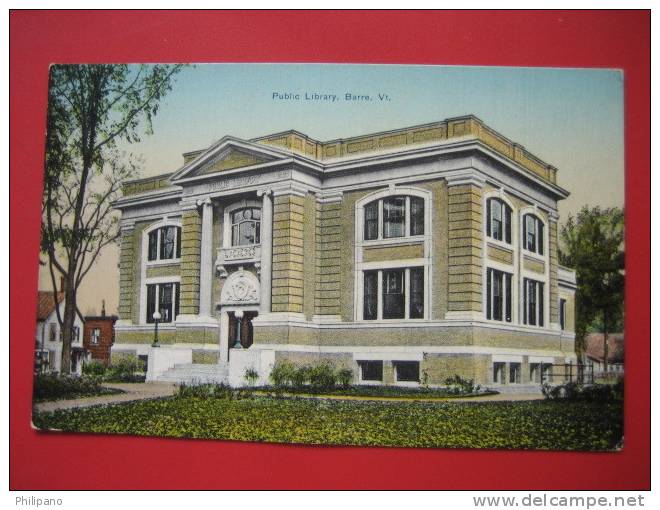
(230,159)
(227,155)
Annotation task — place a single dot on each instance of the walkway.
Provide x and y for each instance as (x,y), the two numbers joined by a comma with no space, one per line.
(133,391)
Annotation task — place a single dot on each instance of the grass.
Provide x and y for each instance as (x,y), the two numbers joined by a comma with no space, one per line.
(549,425)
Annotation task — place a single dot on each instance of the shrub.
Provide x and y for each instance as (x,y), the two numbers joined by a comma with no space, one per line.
(345,377)
(125,370)
(205,391)
(322,375)
(592,392)
(283,374)
(251,376)
(456,385)
(94,368)
(300,376)
(54,387)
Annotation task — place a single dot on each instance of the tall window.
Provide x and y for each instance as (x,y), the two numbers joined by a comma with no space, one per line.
(402,216)
(95,336)
(498,295)
(393,294)
(370,295)
(165,243)
(52,331)
(498,220)
(163,297)
(371,221)
(532,302)
(401,294)
(562,314)
(246,226)
(533,234)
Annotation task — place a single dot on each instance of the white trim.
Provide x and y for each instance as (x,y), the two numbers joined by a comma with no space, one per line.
(542,359)
(507,358)
(360,244)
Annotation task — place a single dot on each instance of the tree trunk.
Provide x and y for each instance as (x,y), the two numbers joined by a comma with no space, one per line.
(605,345)
(68,322)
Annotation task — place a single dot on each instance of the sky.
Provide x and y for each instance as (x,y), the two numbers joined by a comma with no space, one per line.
(570,118)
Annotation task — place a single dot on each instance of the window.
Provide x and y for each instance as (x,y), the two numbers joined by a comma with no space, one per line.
(393,294)
(498,295)
(498,372)
(532,302)
(401,294)
(164,243)
(514,373)
(402,216)
(245,226)
(371,370)
(498,220)
(562,314)
(95,336)
(371,221)
(533,234)
(416,293)
(370,295)
(406,371)
(76,334)
(394,217)
(165,296)
(52,332)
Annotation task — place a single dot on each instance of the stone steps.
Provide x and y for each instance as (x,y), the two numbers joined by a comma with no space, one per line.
(195,373)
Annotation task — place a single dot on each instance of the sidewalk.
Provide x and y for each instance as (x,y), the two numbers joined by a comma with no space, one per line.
(133,391)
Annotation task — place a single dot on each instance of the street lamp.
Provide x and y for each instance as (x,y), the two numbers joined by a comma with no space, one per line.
(156,317)
(239,315)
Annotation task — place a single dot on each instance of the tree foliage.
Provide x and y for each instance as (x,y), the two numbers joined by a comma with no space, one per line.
(91,110)
(593,244)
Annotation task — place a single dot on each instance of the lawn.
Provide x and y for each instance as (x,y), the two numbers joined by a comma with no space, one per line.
(549,425)
(58,387)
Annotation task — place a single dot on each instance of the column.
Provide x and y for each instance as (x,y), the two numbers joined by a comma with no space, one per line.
(206,256)
(266,250)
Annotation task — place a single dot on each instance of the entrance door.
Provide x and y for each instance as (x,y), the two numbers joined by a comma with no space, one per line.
(240,330)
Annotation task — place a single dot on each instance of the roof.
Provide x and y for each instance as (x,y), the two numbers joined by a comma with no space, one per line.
(46,304)
(594,347)
(295,144)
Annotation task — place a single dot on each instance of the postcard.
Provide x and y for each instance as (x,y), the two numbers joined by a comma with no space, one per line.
(367,255)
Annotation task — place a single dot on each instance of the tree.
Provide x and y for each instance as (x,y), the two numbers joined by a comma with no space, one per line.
(91,108)
(593,244)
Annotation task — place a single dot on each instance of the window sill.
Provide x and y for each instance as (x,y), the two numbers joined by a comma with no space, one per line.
(394,241)
(534,255)
(500,244)
(163,262)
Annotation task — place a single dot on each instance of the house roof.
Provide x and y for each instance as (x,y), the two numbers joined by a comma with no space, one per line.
(46,303)
(595,347)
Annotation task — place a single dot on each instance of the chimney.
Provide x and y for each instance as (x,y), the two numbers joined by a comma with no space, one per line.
(103,308)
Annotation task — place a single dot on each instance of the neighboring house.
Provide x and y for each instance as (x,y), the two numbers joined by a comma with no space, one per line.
(595,351)
(98,336)
(408,255)
(48,338)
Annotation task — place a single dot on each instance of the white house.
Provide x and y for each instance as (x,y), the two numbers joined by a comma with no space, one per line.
(48,336)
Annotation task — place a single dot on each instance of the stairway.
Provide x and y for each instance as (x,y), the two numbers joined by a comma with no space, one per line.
(196,373)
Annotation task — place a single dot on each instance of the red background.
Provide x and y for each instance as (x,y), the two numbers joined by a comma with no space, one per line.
(612,39)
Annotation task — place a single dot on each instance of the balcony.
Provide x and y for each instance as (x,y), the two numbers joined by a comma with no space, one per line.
(237,256)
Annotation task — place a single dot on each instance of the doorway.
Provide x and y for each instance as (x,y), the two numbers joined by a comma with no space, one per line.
(240,329)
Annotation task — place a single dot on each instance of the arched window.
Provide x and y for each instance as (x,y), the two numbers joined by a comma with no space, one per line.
(498,220)
(164,243)
(394,216)
(533,234)
(245,226)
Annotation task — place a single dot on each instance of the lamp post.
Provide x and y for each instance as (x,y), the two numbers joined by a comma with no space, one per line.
(239,315)
(156,317)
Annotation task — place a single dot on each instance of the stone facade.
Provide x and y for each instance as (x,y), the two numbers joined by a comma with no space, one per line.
(366,251)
